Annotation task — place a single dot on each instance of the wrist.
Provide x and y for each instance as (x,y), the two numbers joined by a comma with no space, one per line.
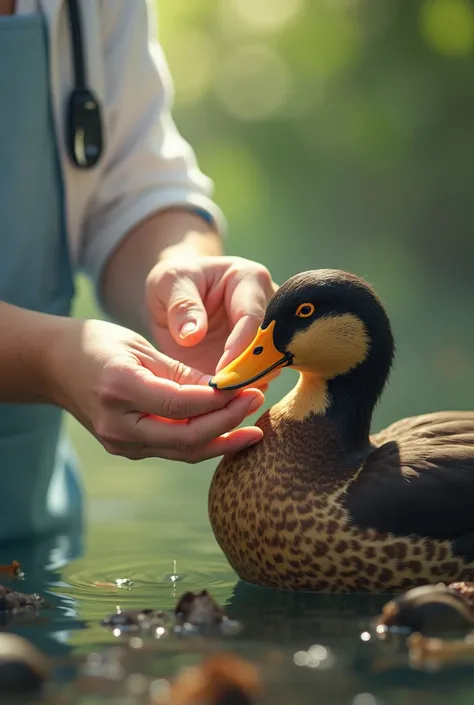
(28,342)
(60,335)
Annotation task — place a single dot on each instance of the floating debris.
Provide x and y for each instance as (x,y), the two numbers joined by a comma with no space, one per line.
(13,569)
(429,608)
(123,583)
(194,614)
(23,668)
(12,601)
(132,620)
(119,583)
(218,680)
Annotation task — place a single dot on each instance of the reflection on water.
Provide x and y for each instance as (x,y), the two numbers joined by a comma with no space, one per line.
(312,648)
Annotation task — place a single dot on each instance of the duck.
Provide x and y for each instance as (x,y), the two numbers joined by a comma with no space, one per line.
(320,503)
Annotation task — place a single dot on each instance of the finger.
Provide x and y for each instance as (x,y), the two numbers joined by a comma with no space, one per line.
(240,338)
(187,317)
(147,393)
(227,443)
(199,430)
(246,304)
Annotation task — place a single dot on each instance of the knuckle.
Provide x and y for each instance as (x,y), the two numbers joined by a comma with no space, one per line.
(174,408)
(190,458)
(102,428)
(182,304)
(110,390)
(254,317)
(263,274)
(133,455)
(110,447)
(254,270)
(113,448)
(166,276)
(178,371)
(105,431)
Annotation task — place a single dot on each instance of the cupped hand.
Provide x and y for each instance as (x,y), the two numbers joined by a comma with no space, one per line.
(140,403)
(205,311)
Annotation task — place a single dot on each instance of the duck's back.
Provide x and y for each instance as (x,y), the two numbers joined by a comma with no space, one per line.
(420,480)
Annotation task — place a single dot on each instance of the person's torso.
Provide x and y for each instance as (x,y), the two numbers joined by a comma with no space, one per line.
(39,489)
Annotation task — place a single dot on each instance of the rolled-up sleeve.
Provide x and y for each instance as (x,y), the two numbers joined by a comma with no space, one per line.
(148,165)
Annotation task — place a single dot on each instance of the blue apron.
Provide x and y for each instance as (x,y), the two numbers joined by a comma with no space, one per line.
(40,491)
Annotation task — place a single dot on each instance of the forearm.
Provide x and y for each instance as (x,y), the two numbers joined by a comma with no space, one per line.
(170,233)
(26,339)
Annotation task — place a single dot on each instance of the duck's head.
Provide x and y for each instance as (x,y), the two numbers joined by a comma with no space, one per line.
(332,327)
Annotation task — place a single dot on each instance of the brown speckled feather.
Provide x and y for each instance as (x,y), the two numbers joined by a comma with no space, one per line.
(289,512)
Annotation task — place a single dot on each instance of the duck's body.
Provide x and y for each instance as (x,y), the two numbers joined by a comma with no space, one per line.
(318,504)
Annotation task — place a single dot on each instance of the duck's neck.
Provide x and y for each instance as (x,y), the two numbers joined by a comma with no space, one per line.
(308,397)
(312,398)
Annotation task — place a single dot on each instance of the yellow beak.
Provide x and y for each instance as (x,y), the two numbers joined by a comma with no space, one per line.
(260,358)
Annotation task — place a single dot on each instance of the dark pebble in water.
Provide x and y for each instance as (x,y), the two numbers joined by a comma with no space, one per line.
(199,609)
(141,619)
(23,668)
(12,601)
(193,614)
(430,608)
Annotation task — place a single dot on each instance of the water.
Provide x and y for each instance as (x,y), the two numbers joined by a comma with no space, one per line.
(147,525)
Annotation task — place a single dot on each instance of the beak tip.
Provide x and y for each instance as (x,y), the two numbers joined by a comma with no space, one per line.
(212,384)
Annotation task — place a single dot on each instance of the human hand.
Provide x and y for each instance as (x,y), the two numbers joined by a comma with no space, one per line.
(205,311)
(138,403)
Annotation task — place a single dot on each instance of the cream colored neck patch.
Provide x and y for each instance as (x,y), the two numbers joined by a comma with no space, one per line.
(308,396)
(331,346)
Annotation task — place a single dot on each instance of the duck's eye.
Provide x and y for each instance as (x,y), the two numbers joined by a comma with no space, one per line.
(305,310)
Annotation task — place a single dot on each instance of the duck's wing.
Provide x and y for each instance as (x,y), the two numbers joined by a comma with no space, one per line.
(419,479)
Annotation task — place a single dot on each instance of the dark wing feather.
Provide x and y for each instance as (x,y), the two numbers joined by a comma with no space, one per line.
(419,479)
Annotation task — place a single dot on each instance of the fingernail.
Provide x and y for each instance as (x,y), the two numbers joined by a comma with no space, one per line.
(188,328)
(256,404)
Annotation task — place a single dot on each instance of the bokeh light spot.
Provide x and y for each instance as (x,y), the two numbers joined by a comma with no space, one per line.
(253,83)
(447,26)
(191,59)
(266,15)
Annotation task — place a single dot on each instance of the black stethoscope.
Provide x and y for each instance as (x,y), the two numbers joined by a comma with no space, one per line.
(83,120)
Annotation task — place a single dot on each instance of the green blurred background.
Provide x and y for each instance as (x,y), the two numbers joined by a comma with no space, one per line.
(339,133)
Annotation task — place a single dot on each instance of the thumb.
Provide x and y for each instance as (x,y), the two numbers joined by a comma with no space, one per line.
(187,317)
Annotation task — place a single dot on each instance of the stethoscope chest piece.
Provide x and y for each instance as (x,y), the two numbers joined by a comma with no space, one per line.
(84,128)
(83,121)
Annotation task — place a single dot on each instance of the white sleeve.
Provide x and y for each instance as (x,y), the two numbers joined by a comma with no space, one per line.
(148,165)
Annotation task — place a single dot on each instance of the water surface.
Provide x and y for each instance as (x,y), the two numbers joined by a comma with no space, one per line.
(146,520)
